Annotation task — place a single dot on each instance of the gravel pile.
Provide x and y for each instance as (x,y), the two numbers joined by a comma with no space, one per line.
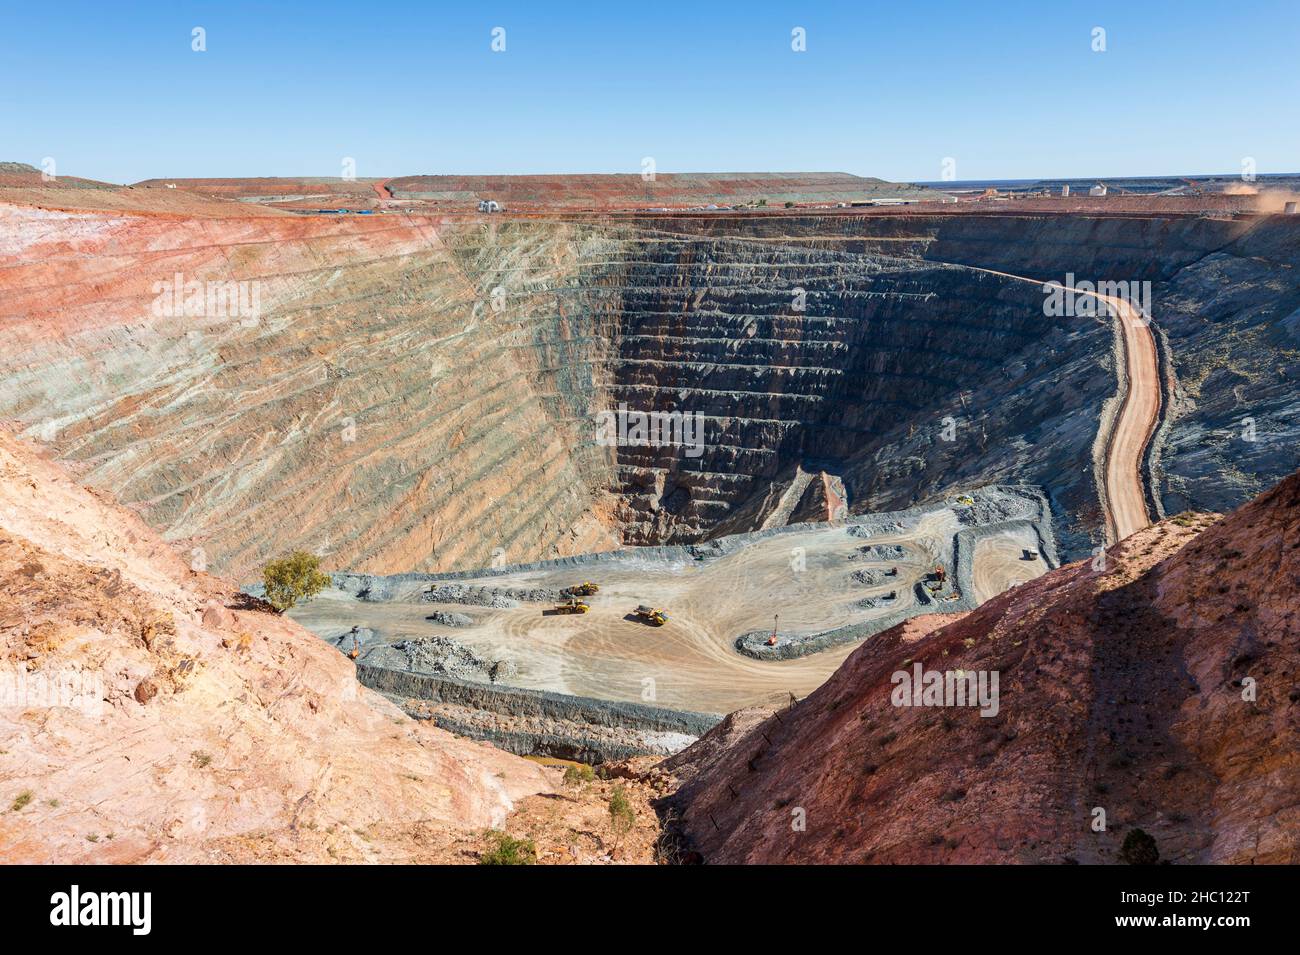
(874,529)
(880,552)
(450,619)
(499,598)
(992,508)
(445,656)
(868,576)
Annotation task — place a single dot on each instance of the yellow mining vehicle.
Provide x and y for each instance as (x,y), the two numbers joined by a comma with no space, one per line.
(656,618)
(584,589)
(572,605)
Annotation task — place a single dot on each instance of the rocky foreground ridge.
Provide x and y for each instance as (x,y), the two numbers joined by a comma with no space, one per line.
(151,713)
(1161,689)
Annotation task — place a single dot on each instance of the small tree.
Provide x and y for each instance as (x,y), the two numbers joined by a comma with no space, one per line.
(293,578)
(621,814)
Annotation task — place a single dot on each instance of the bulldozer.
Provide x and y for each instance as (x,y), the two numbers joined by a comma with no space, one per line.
(655,618)
(572,605)
(584,589)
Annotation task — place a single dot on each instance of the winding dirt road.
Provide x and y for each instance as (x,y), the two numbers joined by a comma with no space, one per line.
(1123,492)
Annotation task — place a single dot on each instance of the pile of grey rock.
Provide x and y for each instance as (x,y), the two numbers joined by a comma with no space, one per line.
(445,656)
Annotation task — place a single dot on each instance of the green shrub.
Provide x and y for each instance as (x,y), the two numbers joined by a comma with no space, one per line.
(504,849)
(22,800)
(581,773)
(293,578)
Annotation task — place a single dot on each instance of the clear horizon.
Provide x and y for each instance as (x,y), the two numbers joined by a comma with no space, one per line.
(405,89)
(936,183)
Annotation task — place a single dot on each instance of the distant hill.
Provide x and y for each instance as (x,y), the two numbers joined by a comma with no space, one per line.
(21,174)
(667,190)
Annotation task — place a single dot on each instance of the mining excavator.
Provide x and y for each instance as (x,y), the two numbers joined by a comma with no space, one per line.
(584,589)
(934,581)
(572,605)
(656,618)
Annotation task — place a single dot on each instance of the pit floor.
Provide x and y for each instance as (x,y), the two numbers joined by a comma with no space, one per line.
(690,662)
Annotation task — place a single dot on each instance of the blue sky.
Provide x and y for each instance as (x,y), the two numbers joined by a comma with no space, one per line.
(1008,90)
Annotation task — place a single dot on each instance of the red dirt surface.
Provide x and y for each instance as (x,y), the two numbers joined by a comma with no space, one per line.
(578,194)
(667,190)
(307,193)
(1126,689)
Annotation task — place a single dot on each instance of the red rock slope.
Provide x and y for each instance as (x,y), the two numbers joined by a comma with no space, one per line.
(1121,689)
(205,732)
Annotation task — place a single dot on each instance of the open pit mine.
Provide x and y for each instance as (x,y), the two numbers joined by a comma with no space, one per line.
(668,478)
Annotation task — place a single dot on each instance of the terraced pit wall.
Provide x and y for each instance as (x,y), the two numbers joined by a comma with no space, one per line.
(1226,304)
(418,395)
(853,366)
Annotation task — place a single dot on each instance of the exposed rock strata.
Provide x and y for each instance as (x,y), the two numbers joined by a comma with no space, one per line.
(419,394)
